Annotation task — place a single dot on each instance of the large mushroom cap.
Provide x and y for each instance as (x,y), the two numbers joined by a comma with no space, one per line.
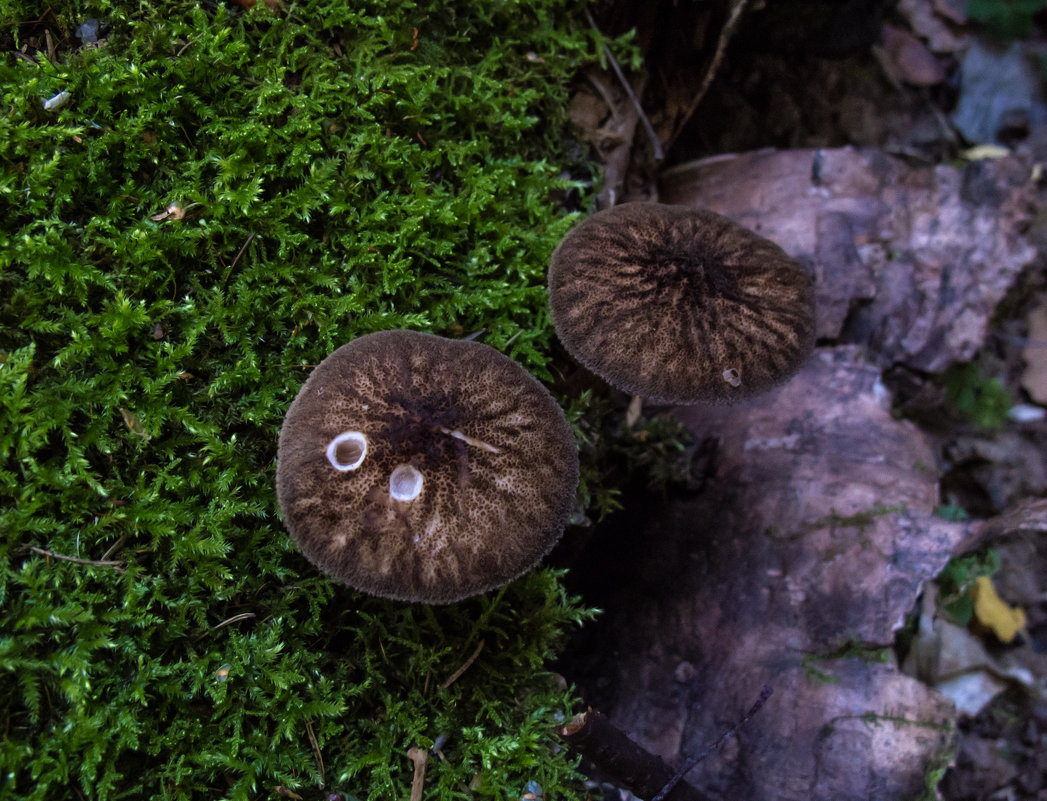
(425,469)
(680,305)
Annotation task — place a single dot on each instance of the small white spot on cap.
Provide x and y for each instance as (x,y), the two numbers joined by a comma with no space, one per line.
(405,483)
(732,376)
(347,450)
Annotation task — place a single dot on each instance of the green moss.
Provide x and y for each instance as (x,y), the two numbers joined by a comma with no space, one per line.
(223,200)
(813,663)
(980,400)
(958,578)
(859,520)
(1006,19)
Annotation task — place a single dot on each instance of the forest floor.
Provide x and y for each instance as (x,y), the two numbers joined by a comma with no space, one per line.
(899,154)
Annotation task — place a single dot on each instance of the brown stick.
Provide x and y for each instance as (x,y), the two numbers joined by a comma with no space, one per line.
(458,673)
(316,749)
(656,145)
(734,16)
(627,763)
(96,562)
(235,619)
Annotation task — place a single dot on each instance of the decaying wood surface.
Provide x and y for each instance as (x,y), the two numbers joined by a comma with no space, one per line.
(910,261)
(802,555)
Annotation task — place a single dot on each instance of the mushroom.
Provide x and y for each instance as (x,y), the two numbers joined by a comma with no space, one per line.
(680,305)
(420,468)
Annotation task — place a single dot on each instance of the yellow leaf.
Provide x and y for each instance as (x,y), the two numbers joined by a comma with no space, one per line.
(1005,621)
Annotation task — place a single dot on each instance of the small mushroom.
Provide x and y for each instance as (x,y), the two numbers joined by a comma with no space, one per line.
(420,468)
(680,305)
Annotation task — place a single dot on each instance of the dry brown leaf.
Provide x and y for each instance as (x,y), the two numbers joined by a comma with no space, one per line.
(907,59)
(134,423)
(936,22)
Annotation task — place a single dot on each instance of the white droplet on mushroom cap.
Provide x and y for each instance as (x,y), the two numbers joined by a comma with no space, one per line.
(405,483)
(347,450)
(733,376)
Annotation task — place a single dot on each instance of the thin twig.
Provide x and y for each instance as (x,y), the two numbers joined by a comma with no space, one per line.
(95,562)
(659,154)
(458,673)
(690,762)
(726,32)
(240,252)
(234,619)
(316,750)
(116,546)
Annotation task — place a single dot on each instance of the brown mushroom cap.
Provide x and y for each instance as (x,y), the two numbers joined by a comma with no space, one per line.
(680,305)
(424,469)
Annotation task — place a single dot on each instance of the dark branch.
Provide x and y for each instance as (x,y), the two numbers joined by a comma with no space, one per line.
(625,762)
(690,762)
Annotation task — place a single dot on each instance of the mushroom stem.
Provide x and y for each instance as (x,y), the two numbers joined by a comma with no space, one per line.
(419,757)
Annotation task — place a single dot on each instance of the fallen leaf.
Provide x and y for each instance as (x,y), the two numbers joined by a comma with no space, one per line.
(814,532)
(175,211)
(936,25)
(907,59)
(994,83)
(952,10)
(955,661)
(133,423)
(990,610)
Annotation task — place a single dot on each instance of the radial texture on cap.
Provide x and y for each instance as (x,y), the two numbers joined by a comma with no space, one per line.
(680,305)
(426,469)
